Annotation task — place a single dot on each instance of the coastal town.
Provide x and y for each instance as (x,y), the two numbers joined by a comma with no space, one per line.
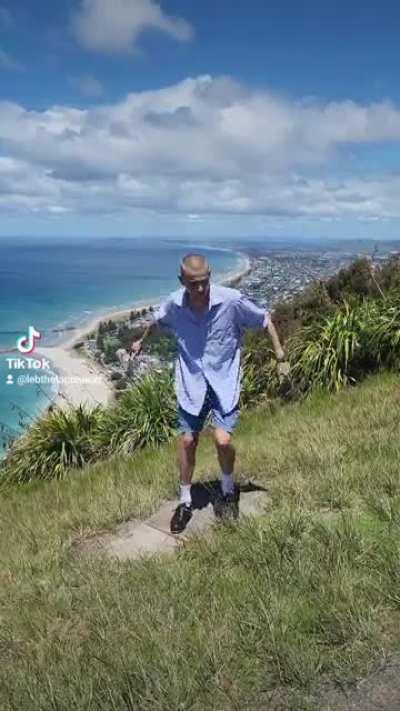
(282,276)
(278,274)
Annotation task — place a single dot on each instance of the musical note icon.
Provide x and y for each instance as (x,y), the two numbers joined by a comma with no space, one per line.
(26,344)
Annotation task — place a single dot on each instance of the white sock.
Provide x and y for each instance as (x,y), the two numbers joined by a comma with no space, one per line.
(186,497)
(227,483)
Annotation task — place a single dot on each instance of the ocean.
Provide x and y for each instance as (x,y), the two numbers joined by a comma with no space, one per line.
(61,283)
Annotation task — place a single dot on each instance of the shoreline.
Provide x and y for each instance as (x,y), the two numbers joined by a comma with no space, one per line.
(81,332)
(83,380)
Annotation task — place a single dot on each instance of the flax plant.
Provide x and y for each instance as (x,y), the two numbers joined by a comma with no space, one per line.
(145,415)
(325,352)
(57,440)
(384,331)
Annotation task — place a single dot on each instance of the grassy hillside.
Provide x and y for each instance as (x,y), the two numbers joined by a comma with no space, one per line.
(307,592)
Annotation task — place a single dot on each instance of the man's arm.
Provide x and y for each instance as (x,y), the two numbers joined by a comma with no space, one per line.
(252,316)
(162,318)
(279,352)
(136,346)
(283,365)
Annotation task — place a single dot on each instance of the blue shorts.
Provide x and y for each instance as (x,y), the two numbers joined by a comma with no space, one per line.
(194,423)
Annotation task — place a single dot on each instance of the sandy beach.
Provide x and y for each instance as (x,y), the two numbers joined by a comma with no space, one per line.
(81,379)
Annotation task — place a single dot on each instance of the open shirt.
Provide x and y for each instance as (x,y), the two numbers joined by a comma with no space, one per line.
(209,344)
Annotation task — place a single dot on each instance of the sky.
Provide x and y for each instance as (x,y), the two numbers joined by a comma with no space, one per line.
(200,119)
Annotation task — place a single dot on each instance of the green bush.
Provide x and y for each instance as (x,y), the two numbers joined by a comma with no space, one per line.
(354,282)
(340,349)
(56,441)
(388,276)
(303,309)
(111,344)
(326,353)
(145,415)
(384,331)
(259,379)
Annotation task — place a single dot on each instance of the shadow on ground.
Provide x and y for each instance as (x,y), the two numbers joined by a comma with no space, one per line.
(206,492)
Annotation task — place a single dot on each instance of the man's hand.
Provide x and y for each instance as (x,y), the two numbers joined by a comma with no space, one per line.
(136,347)
(283,365)
(283,369)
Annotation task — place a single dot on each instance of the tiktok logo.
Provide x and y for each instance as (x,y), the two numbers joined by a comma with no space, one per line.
(26,344)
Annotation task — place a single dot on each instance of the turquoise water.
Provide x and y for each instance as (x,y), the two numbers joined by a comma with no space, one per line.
(65,283)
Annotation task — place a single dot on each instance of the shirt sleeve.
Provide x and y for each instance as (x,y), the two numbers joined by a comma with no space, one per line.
(163,316)
(249,315)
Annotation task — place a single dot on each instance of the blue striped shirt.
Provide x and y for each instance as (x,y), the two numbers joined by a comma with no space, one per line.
(209,344)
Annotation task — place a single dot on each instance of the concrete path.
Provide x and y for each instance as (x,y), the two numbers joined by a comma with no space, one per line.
(135,538)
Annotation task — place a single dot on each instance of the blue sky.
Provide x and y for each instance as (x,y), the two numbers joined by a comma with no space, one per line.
(187,118)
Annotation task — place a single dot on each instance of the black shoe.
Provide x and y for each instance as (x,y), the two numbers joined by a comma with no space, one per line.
(181,518)
(227,506)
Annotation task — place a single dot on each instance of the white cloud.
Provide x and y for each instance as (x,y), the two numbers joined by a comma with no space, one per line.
(115,25)
(8,62)
(201,147)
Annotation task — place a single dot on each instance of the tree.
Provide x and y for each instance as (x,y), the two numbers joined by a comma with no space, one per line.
(100,341)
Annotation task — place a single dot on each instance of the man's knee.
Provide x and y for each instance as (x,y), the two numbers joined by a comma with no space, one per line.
(189,440)
(222,438)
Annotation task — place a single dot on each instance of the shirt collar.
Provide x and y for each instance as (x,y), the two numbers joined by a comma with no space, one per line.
(216,295)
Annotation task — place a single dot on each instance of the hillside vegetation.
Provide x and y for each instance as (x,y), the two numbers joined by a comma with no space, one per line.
(310,591)
(335,334)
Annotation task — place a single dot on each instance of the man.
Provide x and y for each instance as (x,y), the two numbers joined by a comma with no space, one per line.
(208,321)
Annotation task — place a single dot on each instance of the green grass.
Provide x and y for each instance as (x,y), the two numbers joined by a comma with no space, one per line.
(309,591)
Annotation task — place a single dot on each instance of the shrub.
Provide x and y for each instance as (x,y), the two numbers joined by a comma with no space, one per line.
(303,309)
(57,440)
(388,275)
(259,372)
(144,415)
(111,344)
(355,281)
(328,352)
(384,331)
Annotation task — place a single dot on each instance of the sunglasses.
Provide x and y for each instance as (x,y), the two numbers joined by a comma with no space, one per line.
(194,285)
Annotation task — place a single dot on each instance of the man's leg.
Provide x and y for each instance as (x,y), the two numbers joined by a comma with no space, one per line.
(226,506)
(187,445)
(189,427)
(226,458)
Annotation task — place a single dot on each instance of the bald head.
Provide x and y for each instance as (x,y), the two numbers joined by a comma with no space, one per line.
(195,277)
(194,267)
